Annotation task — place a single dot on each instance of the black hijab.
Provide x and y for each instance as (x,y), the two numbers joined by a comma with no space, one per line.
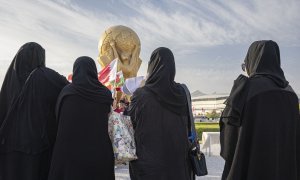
(27,99)
(85,83)
(160,81)
(263,59)
(30,56)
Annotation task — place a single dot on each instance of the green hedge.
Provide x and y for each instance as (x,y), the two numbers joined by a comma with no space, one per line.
(206,127)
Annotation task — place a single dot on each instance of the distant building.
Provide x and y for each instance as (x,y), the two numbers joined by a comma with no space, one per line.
(204,103)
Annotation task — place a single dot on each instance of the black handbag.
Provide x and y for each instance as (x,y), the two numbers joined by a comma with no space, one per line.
(197,158)
(198,161)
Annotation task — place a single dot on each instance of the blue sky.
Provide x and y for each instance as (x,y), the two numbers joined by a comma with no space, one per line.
(208,38)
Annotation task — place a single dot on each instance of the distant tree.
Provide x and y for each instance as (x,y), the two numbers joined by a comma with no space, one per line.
(213,114)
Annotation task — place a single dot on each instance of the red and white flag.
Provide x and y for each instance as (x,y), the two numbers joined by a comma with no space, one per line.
(70,76)
(109,73)
(109,76)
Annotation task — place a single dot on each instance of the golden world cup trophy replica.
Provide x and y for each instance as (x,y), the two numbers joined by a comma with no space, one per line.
(122,43)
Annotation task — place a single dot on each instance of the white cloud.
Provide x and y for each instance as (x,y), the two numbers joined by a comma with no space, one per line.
(68,30)
(65,33)
(210,23)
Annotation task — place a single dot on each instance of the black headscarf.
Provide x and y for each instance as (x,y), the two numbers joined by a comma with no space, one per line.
(85,83)
(27,99)
(30,56)
(263,59)
(160,81)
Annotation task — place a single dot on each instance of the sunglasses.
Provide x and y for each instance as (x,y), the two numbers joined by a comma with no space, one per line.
(243,67)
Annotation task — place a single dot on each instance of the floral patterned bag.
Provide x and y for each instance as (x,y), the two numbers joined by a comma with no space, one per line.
(121,134)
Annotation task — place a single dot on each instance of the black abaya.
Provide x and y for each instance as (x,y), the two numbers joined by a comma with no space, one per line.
(159,114)
(268,141)
(83,149)
(28,125)
(27,115)
(30,56)
(263,142)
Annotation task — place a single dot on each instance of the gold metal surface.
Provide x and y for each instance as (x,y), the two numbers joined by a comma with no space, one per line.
(123,43)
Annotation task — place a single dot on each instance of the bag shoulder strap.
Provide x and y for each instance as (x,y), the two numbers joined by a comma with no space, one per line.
(193,132)
(12,106)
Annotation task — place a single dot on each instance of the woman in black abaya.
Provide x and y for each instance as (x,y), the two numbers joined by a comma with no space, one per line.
(260,126)
(159,114)
(83,150)
(27,115)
